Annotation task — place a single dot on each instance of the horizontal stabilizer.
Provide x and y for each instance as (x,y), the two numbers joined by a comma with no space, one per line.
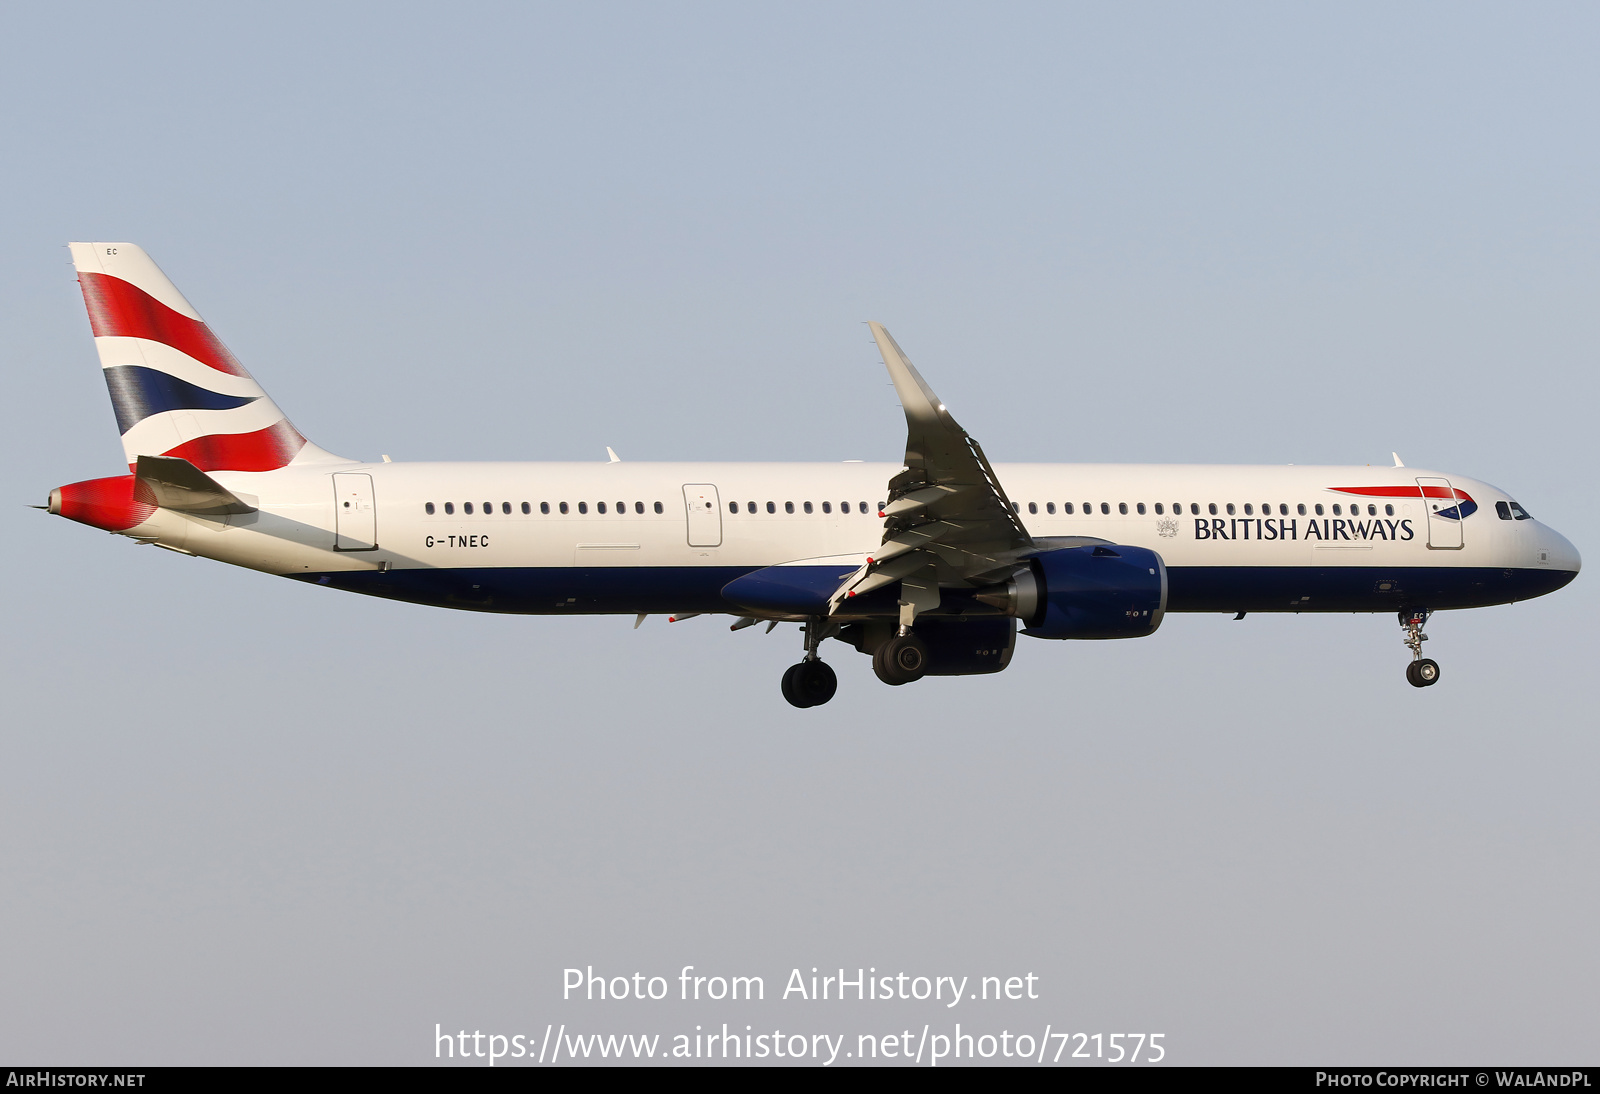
(175,483)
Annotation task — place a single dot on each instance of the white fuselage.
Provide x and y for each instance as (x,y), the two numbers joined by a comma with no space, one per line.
(584,524)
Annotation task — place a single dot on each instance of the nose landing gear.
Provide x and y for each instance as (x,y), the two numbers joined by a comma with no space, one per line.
(811,683)
(1423,671)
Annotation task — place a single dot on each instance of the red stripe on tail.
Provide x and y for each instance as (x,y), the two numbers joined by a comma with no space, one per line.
(264,450)
(120,309)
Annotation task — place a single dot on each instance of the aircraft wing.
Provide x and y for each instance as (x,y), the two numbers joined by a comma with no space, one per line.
(948,521)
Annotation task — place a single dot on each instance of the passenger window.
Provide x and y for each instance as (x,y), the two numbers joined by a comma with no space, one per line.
(1213,507)
(1230,508)
(488,508)
(1122,507)
(1194,508)
(788,507)
(1140,507)
(1088,508)
(1033,508)
(638,507)
(1158,509)
(1050,507)
(429,510)
(772,507)
(1336,510)
(563,508)
(600,507)
(1248,511)
(449,507)
(1318,508)
(526,509)
(751,506)
(544,507)
(505,507)
(806,506)
(1283,510)
(658,507)
(844,507)
(863,507)
(1105,507)
(733,507)
(827,507)
(466,507)
(1301,509)
(1388,510)
(1066,507)
(583,507)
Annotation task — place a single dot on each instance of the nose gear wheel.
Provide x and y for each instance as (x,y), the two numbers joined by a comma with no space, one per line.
(1423,671)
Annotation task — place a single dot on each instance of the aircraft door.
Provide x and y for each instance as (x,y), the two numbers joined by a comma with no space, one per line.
(705,515)
(355,518)
(1443,506)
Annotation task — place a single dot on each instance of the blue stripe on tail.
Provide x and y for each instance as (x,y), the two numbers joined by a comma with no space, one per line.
(138,392)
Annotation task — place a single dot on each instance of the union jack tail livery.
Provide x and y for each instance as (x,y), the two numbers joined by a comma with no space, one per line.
(176,389)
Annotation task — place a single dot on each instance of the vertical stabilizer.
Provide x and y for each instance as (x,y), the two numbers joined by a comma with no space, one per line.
(176,389)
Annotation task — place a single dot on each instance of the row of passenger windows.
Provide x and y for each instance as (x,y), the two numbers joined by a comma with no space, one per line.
(1070,509)
(469,509)
(806,506)
(544,507)
(1503,509)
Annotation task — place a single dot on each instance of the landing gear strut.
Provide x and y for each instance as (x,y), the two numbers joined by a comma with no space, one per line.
(1423,671)
(811,683)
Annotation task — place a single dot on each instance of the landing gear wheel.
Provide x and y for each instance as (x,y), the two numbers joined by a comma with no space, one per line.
(1423,673)
(901,660)
(809,684)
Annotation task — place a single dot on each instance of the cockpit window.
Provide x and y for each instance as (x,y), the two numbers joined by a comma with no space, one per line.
(1502,510)
(1519,513)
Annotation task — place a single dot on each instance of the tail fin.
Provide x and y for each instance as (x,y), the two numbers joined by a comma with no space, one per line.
(176,389)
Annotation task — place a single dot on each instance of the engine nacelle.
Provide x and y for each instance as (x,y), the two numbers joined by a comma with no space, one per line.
(1106,591)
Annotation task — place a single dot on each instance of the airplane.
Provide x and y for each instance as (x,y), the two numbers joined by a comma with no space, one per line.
(932,566)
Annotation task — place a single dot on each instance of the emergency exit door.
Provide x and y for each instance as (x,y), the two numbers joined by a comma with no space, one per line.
(705,515)
(355,518)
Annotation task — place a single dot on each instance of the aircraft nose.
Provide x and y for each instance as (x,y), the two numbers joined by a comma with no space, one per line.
(1562,555)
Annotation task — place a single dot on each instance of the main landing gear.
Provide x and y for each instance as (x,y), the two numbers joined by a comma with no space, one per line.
(1423,671)
(811,683)
(903,659)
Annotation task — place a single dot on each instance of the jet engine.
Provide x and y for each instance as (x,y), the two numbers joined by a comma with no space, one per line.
(1101,591)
